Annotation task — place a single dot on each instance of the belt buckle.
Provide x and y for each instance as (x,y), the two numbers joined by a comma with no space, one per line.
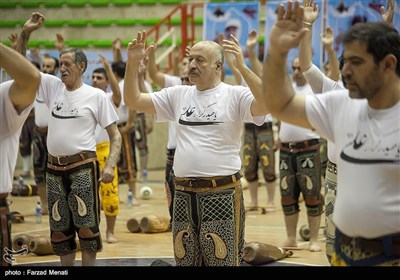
(60,163)
(292,145)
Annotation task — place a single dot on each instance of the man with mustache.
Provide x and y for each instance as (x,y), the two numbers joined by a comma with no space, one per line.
(363,122)
(208,219)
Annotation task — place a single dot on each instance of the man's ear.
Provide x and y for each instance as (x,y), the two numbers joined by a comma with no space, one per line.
(82,66)
(389,62)
(218,65)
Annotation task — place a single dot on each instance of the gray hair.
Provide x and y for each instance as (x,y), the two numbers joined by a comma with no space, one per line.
(79,56)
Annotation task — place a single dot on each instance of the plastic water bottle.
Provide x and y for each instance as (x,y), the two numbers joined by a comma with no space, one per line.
(38,213)
(130,199)
(144,175)
(21,182)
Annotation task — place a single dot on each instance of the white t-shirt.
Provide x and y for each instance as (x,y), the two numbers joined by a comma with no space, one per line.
(208,127)
(42,113)
(320,83)
(100,133)
(293,133)
(122,109)
(171,81)
(74,115)
(367,147)
(10,129)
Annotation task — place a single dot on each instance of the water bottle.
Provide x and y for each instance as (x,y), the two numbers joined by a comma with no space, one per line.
(130,199)
(38,213)
(144,175)
(21,182)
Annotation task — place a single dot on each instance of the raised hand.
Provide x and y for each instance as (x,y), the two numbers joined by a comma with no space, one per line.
(136,48)
(13,37)
(252,40)
(327,38)
(116,44)
(233,46)
(388,15)
(35,22)
(103,60)
(60,44)
(310,11)
(286,32)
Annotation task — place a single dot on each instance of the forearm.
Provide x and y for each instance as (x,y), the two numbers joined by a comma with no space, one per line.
(277,86)
(117,56)
(22,42)
(305,49)
(115,148)
(256,65)
(255,84)
(131,86)
(334,72)
(153,71)
(142,85)
(116,97)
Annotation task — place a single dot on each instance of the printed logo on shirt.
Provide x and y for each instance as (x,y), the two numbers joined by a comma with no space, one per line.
(367,149)
(61,111)
(195,117)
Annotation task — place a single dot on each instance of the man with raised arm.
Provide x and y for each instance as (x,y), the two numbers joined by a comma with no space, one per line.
(363,122)
(208,219)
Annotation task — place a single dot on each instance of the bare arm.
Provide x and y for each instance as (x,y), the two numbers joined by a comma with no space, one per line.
(254,82)
(133,98)
(14,40)
(286,34)
(176,59)
(116,46)
(115,147)
(327,40)
(60,44)
(25,75)
(305,47)
(155,75)
(35,22)
(388,15)
(116,96)
(251,43)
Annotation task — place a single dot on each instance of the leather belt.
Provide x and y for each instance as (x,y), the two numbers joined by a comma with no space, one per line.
(390,245)
(170,152)
(42,130)
(207,182)
(66,160)
(266,125)
(300,145)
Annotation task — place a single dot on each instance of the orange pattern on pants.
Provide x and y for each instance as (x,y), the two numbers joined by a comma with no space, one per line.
(108,192)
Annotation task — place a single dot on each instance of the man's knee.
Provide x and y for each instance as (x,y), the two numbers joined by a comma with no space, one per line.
(314,205)
(290,206)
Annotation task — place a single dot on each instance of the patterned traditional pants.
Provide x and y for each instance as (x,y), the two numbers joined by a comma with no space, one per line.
(330,196)
(74,206)
(259,147)
(208,227)
(300,171)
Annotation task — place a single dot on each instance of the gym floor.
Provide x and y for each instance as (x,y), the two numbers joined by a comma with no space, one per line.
(155,249)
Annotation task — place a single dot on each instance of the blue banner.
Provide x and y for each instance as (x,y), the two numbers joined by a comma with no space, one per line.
(230,18)
(342,14)
(270,19)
